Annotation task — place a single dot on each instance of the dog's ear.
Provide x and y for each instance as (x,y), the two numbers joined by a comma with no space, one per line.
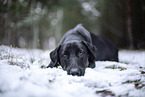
(91,50)
(92,53)
(54,56)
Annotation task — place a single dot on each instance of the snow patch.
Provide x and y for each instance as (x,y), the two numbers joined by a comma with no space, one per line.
(21,75)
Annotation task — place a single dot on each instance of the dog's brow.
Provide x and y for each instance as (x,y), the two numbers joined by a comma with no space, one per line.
(65,50)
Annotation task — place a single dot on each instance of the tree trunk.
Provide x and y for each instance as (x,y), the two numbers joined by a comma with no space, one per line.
(129,25)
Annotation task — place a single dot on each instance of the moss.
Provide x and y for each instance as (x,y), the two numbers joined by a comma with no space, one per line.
(142,71)
(105,93)
(43,66)
(116,67)
(130,81)
(139,85)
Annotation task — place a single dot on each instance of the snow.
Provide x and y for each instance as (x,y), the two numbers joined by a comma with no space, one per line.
(21,75)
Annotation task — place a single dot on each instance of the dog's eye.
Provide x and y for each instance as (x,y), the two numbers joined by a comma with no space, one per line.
(81,53)
(65,56)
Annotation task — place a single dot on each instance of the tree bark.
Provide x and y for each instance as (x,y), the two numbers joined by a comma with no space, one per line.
(129,25)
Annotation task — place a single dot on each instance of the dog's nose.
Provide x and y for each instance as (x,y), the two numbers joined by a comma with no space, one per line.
(75,71)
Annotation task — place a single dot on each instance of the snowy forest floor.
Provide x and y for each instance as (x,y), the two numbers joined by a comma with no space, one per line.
(22,75)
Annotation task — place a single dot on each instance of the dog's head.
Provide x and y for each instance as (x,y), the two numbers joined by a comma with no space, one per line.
(74,57)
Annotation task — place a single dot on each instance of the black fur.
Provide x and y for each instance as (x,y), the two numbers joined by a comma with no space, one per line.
(79,49)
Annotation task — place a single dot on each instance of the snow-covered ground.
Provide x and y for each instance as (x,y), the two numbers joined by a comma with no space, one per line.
(22,75)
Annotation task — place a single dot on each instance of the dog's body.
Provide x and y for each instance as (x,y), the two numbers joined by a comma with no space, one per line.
(79,49)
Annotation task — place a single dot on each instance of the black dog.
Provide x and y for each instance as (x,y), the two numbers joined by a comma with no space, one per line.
(79,49)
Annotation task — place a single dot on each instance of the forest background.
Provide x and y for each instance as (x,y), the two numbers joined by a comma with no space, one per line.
(42,23)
